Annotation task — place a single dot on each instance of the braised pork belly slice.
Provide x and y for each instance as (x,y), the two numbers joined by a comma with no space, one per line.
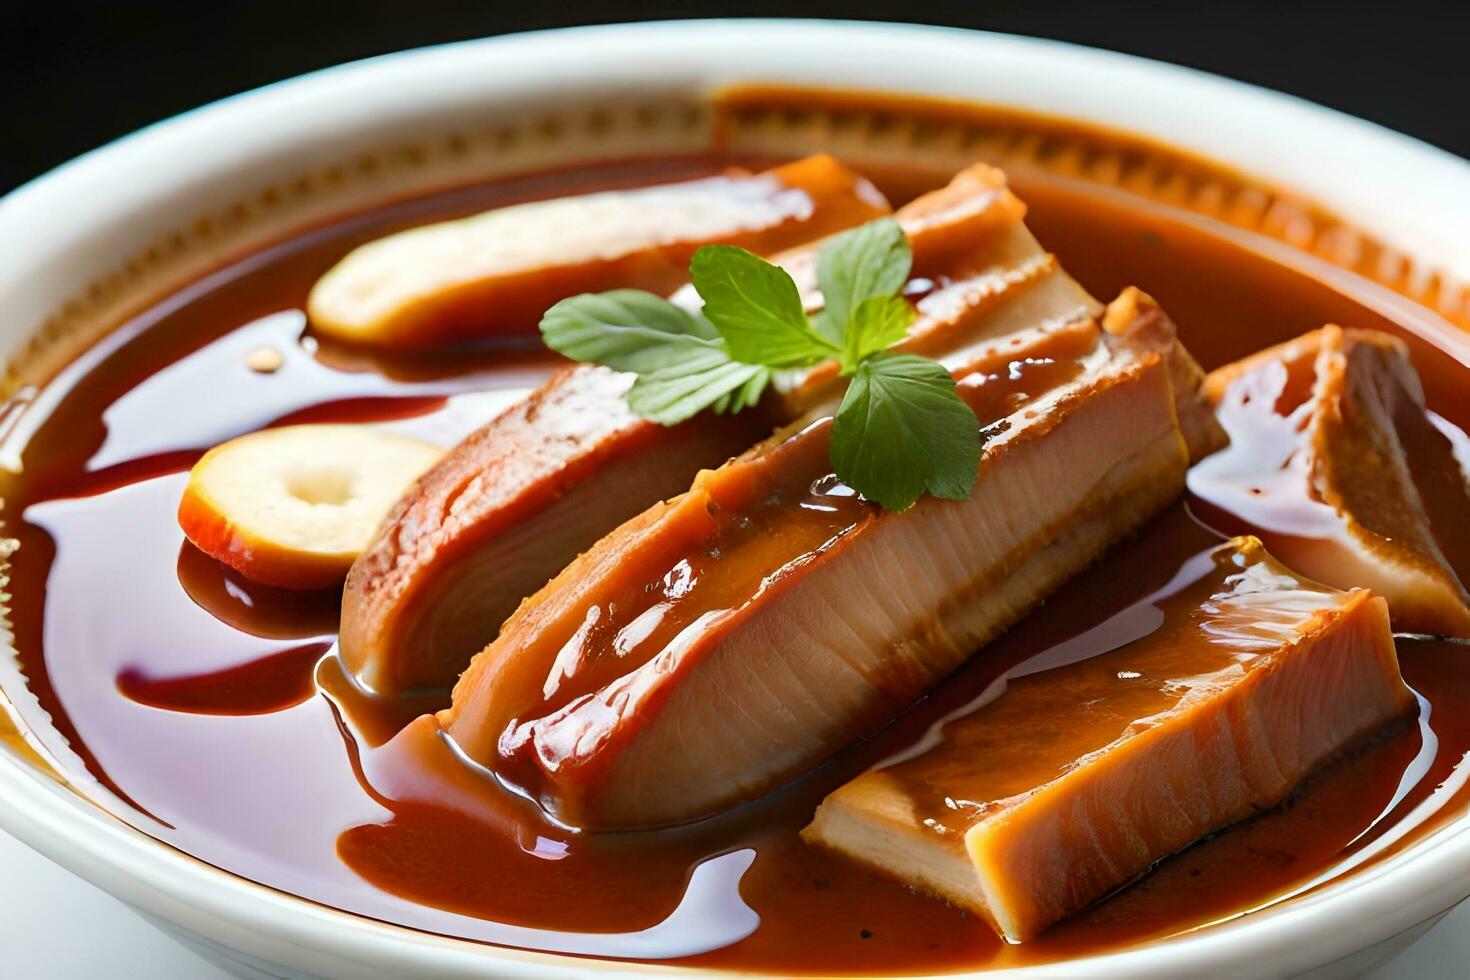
(514,503)
(719,644)
(1004,284)
(506,510)
(1336,465)
(1136,318)
(983,276)
(494,274)
(1077,779)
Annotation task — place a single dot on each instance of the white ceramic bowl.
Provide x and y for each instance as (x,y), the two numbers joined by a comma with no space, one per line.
(99,236)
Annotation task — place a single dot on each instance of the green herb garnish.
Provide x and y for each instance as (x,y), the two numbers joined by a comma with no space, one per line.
(902,428)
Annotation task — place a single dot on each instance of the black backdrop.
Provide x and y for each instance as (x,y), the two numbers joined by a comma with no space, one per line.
(73,76)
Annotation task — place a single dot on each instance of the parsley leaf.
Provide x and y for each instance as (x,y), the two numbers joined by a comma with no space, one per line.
(902,429)
(867,262)
(757,308)
(681,362)
(709,380)
(626,330)
(878,323)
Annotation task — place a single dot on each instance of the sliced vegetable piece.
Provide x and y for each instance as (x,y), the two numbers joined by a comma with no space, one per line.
(294,506)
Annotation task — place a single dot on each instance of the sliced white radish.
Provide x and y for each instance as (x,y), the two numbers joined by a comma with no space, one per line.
(294,506)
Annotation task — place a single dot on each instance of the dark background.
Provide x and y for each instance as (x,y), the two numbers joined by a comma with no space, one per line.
(73,76)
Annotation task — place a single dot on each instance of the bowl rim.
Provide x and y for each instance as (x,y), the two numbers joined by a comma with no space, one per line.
(1411,194)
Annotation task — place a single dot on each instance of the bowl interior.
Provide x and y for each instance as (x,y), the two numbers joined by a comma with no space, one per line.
(278,163)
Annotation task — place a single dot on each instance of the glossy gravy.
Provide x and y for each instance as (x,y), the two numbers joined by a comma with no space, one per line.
(213,715)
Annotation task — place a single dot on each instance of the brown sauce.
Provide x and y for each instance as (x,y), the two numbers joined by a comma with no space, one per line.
(273,682)
(320,798)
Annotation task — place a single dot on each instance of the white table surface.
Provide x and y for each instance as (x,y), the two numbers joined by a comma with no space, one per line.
(54,926)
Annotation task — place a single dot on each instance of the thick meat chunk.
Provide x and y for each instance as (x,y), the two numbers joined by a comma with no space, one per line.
(718,645)
(514,503)
(1336,465)
(494,274)
(506,510)
(1137,318)
(1077,779)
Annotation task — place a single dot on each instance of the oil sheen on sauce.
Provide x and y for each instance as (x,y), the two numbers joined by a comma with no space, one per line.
(212,713)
